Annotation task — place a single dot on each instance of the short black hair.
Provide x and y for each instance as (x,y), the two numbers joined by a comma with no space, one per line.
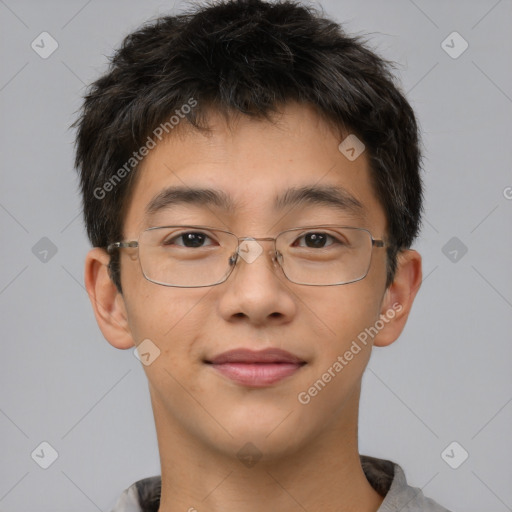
(244,57)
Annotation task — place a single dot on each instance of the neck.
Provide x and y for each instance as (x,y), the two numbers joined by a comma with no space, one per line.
(326,474)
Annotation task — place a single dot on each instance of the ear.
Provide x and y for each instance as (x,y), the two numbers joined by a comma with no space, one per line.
(398,298)
(107,303)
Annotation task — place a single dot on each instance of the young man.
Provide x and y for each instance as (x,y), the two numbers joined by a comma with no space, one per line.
(250,180)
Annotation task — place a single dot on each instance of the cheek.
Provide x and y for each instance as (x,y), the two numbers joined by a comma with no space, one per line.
(349,309)
(339,314)
(168,318)
(342,351)
(162,314)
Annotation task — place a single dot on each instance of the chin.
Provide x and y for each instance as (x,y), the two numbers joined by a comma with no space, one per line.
(268,434)
(252,446)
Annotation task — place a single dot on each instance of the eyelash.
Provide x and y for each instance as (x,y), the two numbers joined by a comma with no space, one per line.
(170,241)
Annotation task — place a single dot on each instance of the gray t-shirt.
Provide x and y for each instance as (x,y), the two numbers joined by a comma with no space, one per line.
(386,477)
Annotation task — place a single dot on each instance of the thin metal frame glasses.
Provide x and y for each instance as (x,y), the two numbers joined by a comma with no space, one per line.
(333,255)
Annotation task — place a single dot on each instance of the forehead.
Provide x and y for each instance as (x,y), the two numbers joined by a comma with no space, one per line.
(251,170)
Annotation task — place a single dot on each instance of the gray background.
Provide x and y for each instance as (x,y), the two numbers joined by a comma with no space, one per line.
(447,379)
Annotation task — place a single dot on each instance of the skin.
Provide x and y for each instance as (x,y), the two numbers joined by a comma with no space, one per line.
(310,456)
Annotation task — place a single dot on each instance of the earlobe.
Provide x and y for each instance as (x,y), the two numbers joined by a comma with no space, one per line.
(399,297)
(107,303)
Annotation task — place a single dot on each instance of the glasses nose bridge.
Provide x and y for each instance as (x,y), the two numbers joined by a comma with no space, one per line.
(261,239)
(276,254)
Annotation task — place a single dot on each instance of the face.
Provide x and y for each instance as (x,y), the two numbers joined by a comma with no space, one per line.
(257,308)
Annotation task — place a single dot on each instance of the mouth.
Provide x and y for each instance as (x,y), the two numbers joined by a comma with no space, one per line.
(256,369)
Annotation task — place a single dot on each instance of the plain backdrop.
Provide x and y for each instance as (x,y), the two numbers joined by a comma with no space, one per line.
(447,379)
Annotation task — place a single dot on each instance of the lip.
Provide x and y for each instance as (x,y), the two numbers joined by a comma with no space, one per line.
(243,355)
(256,368)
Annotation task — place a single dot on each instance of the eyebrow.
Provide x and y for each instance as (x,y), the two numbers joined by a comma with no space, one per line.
(320,195)
(314,195)
(176,195)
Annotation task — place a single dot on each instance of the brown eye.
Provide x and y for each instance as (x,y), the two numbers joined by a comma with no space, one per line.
(190,239)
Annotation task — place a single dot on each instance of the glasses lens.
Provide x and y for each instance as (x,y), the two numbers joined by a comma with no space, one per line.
(325,255)
(186,256)
(193,256)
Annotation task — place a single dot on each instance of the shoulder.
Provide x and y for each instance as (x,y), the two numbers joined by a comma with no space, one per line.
(142,496)
(389,480)
(385,476)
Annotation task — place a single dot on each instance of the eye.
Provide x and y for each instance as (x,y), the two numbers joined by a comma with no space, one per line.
(316,240)
(189,239)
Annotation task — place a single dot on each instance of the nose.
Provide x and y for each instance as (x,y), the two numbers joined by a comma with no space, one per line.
(256,290)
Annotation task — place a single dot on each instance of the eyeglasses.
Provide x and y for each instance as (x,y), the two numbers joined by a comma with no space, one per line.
(199,256)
